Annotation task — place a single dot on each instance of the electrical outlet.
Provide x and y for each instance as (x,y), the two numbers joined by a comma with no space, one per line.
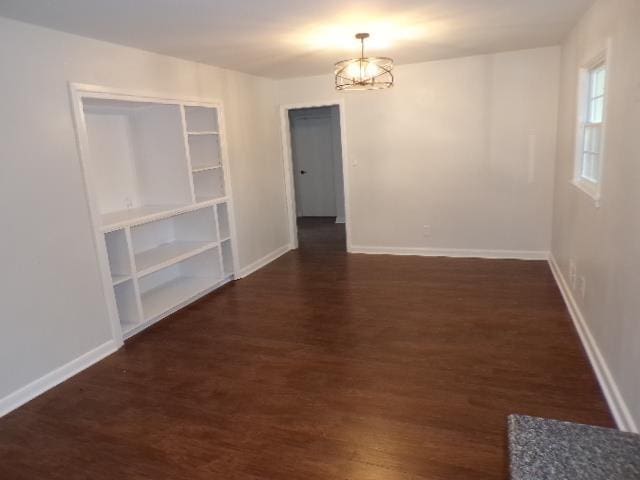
(426,231)
(583,286)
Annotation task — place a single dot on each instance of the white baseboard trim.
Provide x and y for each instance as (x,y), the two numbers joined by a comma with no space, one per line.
(616,402)
(453,252)
(261,262)
(340,220)
(55,377)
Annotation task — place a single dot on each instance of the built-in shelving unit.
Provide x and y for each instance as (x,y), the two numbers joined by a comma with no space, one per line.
(157,179)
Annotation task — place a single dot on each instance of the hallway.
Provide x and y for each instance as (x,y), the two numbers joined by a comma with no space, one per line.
(321,235)
(322,365)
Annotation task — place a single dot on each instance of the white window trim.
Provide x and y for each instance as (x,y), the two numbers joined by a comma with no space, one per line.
(592,189)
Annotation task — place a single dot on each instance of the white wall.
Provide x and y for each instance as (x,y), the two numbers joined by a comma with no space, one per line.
(605,242)
(466,146)
(53,308)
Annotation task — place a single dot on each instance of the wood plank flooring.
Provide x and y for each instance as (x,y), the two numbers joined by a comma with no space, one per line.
(322,365)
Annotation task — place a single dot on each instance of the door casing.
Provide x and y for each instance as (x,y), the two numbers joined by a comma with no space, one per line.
(288,166)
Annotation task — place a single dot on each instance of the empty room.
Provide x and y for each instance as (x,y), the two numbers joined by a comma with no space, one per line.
(388,240)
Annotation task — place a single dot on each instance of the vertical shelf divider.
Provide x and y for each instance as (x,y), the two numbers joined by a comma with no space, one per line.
(224,161)
(134,273)
(220,260)
(185,136)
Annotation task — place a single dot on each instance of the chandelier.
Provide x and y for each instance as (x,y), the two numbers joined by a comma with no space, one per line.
(364,73)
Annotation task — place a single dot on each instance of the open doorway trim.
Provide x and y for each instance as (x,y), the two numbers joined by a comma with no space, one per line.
(288,166)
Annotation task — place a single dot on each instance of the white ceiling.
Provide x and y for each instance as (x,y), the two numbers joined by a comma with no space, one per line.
(289,38)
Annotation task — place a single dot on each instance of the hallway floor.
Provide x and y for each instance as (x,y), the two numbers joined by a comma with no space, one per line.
(322,365)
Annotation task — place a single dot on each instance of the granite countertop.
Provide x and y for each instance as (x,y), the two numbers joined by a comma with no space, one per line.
(541,449)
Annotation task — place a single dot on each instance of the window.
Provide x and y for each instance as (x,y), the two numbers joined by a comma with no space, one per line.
(591,128)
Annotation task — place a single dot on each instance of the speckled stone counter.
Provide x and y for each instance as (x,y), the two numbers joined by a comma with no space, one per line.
(541,449)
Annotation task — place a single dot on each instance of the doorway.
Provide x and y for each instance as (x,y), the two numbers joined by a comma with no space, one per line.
(315,147)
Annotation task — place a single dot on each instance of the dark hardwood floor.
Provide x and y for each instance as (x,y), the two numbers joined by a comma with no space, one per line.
(322,365)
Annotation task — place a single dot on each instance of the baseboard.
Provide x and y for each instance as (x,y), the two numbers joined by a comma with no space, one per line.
(258,264)
(453,252)
(340,220)
(616,402)
(57,376)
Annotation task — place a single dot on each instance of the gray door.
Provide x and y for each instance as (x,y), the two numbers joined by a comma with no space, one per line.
(313,163)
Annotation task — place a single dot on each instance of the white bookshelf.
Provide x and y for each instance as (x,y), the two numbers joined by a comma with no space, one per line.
(157,178)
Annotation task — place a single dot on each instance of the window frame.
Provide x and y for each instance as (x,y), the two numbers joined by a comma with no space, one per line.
(592,187)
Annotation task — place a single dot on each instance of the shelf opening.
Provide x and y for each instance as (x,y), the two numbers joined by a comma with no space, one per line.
(227,258)
(127,305)
(137,155)
(204,151)
(163,242)
(201,119)
(209,185)
(118,254)
(168,288)
(223,221)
